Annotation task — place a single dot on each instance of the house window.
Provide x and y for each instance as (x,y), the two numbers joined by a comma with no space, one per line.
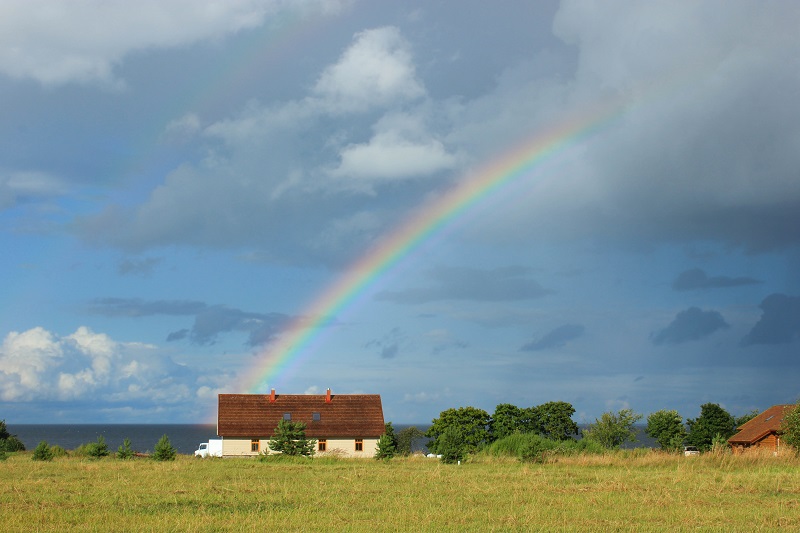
(255,445)
(315,417)
(322,444)
(359,445)
(287,416)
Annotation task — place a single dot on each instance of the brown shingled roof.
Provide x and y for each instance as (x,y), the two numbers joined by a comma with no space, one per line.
(762,425)
(346,415)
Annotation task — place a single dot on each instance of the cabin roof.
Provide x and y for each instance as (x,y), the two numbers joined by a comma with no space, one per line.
(762,425)
(325,415)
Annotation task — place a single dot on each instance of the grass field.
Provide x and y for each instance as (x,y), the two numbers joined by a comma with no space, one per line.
(634,491)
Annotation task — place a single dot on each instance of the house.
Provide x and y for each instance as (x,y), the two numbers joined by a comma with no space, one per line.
(761,432)
(343,424)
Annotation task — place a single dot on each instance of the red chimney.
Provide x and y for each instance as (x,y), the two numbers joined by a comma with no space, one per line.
(328,396)
(272,396)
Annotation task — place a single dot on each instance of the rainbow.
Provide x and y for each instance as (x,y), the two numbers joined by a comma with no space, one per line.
(298,339)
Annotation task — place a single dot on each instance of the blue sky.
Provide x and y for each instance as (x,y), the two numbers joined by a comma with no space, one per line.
(180,180)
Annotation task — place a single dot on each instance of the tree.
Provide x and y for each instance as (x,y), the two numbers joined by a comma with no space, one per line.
(667,428)
(405,439)
(164,450)
(42,452)
(713,421)
(386,449)
(509,419)
(97,449)
(470,423)
(290,439)
(613,430)
(387,443)
(451,445)
(554,420)
(790,428)
(9,442)
(125,451)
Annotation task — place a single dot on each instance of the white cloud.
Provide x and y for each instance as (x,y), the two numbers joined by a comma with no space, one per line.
(377,70)
(38,365)
(83,41)
(400,148)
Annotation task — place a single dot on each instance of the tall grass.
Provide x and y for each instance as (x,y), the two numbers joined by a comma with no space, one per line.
(621,491)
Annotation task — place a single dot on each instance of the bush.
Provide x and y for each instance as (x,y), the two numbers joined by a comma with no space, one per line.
(164,450)
(58,451)
(125,451)
(3,455)
(42,452)
(532,447)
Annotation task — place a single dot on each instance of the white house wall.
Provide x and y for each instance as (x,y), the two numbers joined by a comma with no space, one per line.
(339,447)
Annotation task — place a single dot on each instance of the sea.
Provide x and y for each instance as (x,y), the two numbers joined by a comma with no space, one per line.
(185,438)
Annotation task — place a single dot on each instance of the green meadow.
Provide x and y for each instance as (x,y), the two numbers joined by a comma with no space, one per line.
(635,490)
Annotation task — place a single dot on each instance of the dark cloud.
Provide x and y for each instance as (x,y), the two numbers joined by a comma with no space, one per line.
(464,283)
(389,344)
(143,267)
(779,323)
(209,321)
(133,307)
(220,319)
(178,335)
(690,325)
(555,338)
(696,278)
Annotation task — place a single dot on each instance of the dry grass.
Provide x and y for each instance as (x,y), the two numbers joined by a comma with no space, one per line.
(620,491)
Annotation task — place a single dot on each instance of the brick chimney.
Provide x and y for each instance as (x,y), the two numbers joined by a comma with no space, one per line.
(328,396)
(272,396)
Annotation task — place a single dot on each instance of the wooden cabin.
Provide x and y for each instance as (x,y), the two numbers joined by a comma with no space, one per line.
(762,432)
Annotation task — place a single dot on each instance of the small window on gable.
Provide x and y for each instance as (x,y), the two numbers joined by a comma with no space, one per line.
(255,445)
(315,417)
(359,445)
(287,416)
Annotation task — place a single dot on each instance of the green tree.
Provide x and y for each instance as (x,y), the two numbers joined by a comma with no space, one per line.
(9,442)
(290,439)
(790,428)
(612,430)
(471,423)
(509,419)
(405,439)
(713,420)
(386,448)
(388,429)
(42,452)
(451,445)
(97,449)
(125,451)
(554,420)
(164,450)
(667,428)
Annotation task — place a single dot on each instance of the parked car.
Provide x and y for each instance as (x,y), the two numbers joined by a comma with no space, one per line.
(690,450)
